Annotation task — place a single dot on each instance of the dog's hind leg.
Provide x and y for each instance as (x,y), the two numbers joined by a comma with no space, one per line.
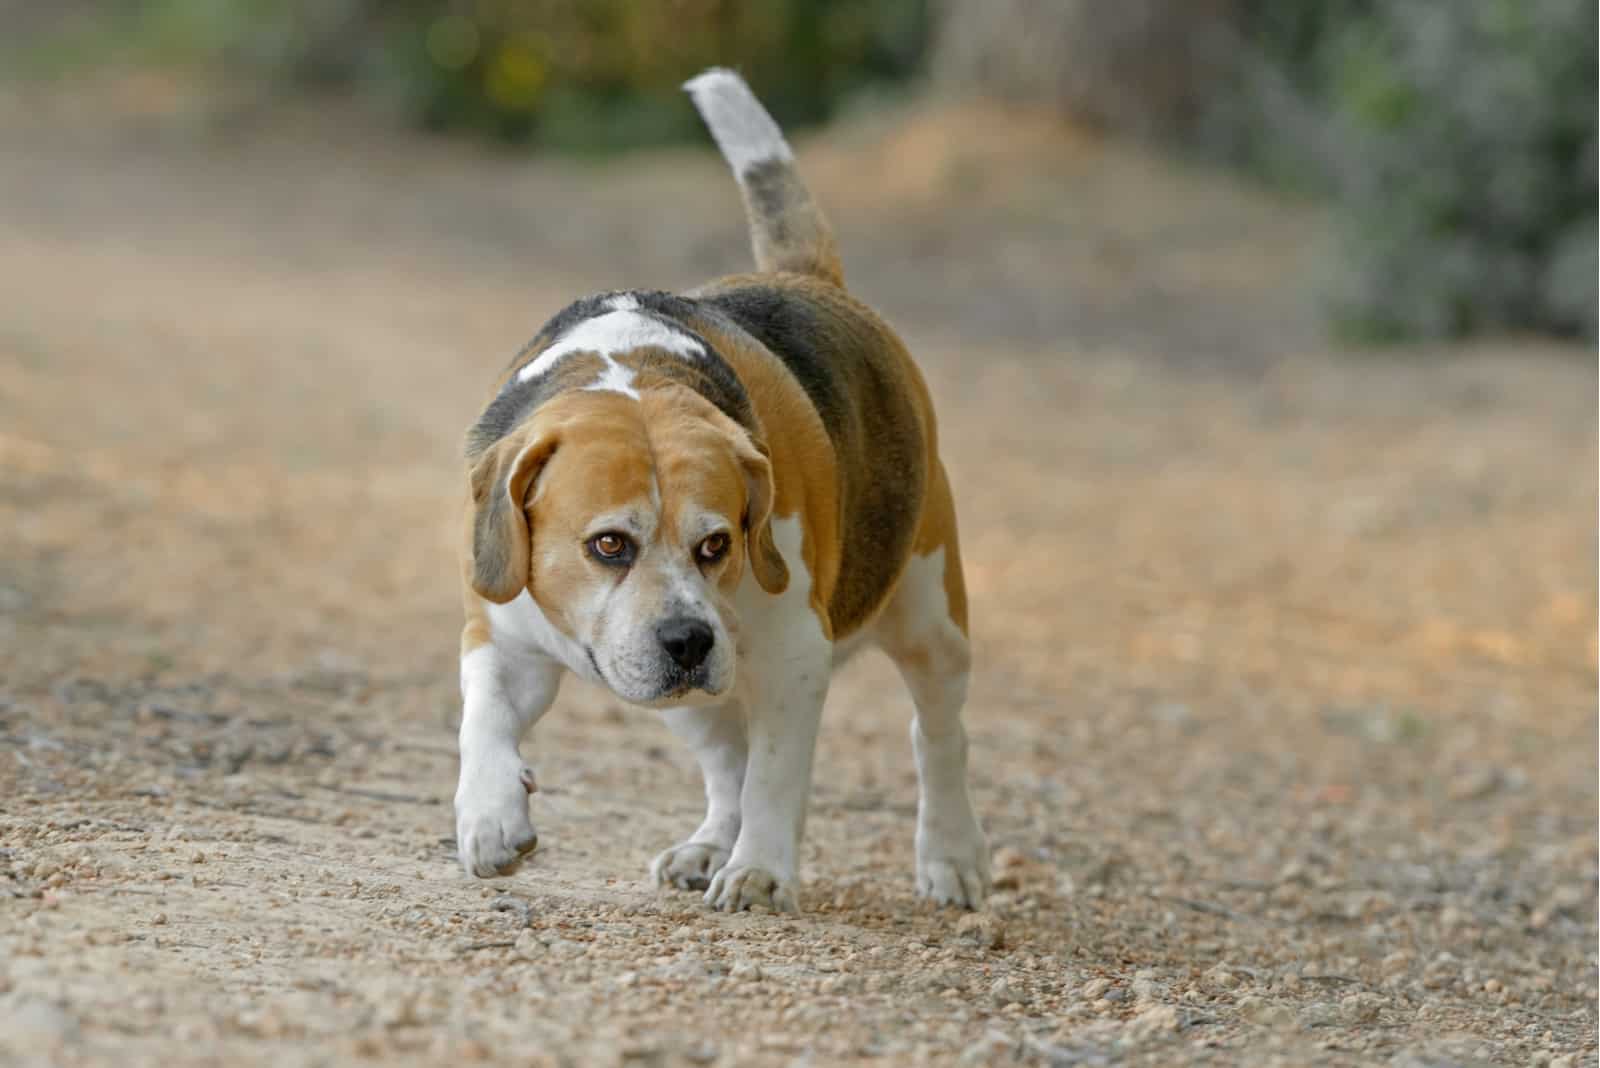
(923,629)
(716,737)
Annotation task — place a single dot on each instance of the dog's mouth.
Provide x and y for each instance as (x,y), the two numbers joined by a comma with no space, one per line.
(679,682)
(676,683)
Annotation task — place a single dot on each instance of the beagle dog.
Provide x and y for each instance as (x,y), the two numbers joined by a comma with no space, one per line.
(705,503)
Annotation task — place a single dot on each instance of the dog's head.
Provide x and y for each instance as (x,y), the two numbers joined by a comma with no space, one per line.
(630,521)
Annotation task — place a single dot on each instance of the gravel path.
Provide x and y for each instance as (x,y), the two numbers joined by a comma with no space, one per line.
(1283,728)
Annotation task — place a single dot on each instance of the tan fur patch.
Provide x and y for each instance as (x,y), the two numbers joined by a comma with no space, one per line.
(705,461)
(601,465)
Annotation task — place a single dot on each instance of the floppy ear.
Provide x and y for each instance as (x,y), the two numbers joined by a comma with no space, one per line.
(500,537)
(766,563)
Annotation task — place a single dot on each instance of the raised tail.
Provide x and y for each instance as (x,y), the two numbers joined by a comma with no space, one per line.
(787,229)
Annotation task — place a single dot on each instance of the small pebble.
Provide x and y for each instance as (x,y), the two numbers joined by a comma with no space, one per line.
(528,946)
(1362,1007)
(474,1050)
(1006,857)
(992,1048)
(1004,992)
(1008,869)
(1146,989)
(1396,962)
(982,928)
(1154,1021)
(1263,1013)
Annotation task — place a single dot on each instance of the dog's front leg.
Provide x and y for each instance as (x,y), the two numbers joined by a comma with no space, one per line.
(784,709)
(502,696)
(716,736)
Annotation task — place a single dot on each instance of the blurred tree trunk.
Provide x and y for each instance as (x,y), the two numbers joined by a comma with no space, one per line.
(1137,66)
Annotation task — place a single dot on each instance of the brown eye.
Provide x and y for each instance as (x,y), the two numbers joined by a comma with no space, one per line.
(712,549)
(611,548)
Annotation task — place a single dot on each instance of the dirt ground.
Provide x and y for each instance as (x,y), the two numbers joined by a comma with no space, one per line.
(1284,719)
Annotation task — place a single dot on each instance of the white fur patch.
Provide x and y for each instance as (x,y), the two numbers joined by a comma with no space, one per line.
(623,329)
(742,128)
(522,626)
(784,622)
(921,590)
(617,379)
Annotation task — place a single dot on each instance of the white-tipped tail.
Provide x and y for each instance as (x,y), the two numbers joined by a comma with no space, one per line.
(787,229)
(742,128)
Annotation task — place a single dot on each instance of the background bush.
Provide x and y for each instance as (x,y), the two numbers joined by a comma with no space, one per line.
(575,74)
(606,73)
(1455,138)
(1466,183)
(1457,142)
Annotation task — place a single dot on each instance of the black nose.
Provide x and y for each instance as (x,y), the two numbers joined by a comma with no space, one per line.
(687,641)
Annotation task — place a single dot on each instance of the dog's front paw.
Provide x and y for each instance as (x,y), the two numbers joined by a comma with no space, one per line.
(739,887)
(689,865)
(493,832)
(954,869)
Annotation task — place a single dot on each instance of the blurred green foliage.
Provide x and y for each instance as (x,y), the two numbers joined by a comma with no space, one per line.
(1458,143)
(1269,113)
(606,73)
(1467,199)
(575,74)
(1455,138)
